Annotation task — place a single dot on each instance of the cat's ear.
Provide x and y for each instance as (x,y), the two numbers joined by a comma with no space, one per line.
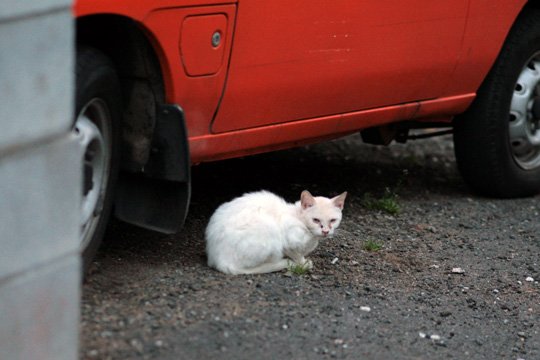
(306,199)
(339,201)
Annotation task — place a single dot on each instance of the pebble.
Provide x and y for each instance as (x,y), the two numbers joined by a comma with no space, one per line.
(435,337)
(529,279)
(335,260)
(93,353)
(458,270)
(137,345)
(478,342)
(365,308)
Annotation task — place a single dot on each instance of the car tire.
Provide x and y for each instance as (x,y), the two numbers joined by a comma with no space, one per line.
(497,141)
(97,118)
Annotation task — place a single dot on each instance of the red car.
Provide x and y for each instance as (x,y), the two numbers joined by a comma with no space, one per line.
(163,85)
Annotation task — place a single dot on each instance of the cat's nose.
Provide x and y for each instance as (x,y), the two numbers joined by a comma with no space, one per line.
(325,232)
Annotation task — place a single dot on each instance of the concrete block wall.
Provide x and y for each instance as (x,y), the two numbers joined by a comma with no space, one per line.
(39,183)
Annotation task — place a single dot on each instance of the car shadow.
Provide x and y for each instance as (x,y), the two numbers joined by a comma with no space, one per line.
(412,171)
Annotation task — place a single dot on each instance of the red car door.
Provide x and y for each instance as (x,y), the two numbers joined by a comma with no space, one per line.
(295,60)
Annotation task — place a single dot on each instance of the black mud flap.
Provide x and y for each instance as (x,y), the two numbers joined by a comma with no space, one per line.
(158,198)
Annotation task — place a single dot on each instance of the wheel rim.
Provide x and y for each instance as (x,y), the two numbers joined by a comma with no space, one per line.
(525,116)
(94,138)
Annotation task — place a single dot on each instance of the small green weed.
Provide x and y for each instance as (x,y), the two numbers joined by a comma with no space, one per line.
(372,245)
(388,202)
(298,269)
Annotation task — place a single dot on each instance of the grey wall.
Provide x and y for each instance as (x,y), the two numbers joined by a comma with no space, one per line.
(39,183)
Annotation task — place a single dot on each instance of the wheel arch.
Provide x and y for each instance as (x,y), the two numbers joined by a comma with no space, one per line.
(124,41)
(481,134)
(154,153)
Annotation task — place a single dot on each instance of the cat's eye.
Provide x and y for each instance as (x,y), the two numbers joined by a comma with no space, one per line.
(333,220)
(316,221)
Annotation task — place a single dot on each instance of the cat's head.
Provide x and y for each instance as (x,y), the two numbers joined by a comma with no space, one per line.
(320,214)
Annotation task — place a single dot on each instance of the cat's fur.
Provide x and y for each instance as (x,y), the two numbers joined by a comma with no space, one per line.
(259,232)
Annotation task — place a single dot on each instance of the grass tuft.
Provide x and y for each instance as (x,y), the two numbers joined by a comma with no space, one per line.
(388,202)
(298,269)
(372,245)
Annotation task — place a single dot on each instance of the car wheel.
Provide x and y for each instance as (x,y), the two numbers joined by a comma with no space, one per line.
(97,117)
(497,141)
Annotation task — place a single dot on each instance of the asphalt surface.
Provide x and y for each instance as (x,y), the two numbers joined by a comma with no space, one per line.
(455,277)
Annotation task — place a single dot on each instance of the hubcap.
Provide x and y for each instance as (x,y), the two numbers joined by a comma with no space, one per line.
(93,136)
(525,116)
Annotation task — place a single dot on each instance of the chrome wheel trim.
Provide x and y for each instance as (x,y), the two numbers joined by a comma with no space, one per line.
(524,117)
(93,135)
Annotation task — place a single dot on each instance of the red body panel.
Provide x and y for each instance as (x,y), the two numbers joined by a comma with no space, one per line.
(280,136)
(136,9)
(321,58)
(293,72)
(197,95)
(487,26)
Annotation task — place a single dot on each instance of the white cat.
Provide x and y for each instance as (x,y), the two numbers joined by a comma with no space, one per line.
(259,232)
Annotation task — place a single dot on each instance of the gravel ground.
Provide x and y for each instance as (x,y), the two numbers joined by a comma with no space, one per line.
(456,276)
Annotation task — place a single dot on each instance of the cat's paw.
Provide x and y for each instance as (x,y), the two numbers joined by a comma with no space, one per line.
(308,264)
